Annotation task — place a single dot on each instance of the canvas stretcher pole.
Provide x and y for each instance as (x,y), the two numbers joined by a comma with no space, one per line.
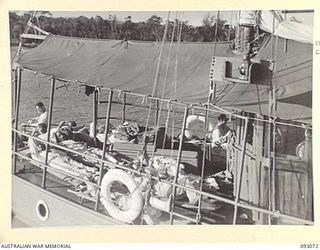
(104,149)
(243,153)
(94,113)
(204,148)
(186,109)
(124,104)
(271,139)
(17,105)
(44,174)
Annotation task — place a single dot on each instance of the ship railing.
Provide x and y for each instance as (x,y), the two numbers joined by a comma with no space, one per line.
(235,202)
(275,214)
(209,195)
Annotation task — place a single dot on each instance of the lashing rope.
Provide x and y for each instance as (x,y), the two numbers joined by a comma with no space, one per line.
(164,87)
(156,79)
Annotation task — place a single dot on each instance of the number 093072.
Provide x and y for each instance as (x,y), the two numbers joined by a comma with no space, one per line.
(309,246)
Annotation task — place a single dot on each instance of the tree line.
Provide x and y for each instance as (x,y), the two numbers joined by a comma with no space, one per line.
(111,28)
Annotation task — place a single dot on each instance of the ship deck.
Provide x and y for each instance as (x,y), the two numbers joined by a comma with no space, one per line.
(212,211)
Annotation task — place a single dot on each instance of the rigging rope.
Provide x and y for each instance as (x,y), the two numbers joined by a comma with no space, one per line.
(174,90)
(173,85)
(156,79)
(164,86)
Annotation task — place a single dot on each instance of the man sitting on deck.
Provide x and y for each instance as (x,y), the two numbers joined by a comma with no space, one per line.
(221,133)
(31,126)
(42,118)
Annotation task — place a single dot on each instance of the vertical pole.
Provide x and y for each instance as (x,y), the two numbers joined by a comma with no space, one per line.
(285,45)
(272,103)
(204,145)
(244,142)
(124,107)
(178,162)
(270,156)
(157,112)
(16,118)
(15,84)
(44,175)
(273,178)
(104,149)
(308,157)
(94,113)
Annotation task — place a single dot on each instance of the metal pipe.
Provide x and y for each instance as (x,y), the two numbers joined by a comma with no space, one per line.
(94,113)
(44,176)
(271,113)
(297,11)
(15,84)
(178,161)
(239,179)
(273,168)
(16,119)
(104,145)
(204,145)
(124,107)
(157,112)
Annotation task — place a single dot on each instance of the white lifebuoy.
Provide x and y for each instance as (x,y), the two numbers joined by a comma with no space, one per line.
(192,118)
(134,205)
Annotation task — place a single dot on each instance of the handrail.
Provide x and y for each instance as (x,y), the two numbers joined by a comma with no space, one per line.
(169,101)
(276,214)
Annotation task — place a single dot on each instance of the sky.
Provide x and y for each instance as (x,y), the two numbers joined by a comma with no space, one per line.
(193,17)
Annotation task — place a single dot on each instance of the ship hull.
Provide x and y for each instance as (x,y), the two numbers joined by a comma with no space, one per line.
(59,211)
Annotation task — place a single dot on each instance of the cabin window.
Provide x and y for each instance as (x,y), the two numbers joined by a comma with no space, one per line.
(228,70)
(42,210)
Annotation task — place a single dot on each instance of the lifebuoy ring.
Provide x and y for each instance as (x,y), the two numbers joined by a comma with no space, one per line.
(133,206)
(192,118)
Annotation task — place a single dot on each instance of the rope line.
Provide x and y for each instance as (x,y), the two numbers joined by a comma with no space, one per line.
(156,79)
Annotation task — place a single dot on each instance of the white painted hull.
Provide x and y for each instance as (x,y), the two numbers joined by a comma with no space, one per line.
(61,212)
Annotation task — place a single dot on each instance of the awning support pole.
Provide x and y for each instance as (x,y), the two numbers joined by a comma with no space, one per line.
(239,179)
(308,157)
(18,73)
(94,113)
(157,112)
(186,109)
(204,148)
(44,175)
(104,149)
(124,107)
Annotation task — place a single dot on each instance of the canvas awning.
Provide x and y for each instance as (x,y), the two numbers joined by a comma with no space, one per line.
(132,66)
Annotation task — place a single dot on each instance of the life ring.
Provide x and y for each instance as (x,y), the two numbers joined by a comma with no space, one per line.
(134,205)
(192,118)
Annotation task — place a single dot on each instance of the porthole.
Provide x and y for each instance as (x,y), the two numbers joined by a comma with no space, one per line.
(42,210)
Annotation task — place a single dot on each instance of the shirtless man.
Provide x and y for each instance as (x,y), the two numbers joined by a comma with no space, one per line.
(65,133)
(221,132)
